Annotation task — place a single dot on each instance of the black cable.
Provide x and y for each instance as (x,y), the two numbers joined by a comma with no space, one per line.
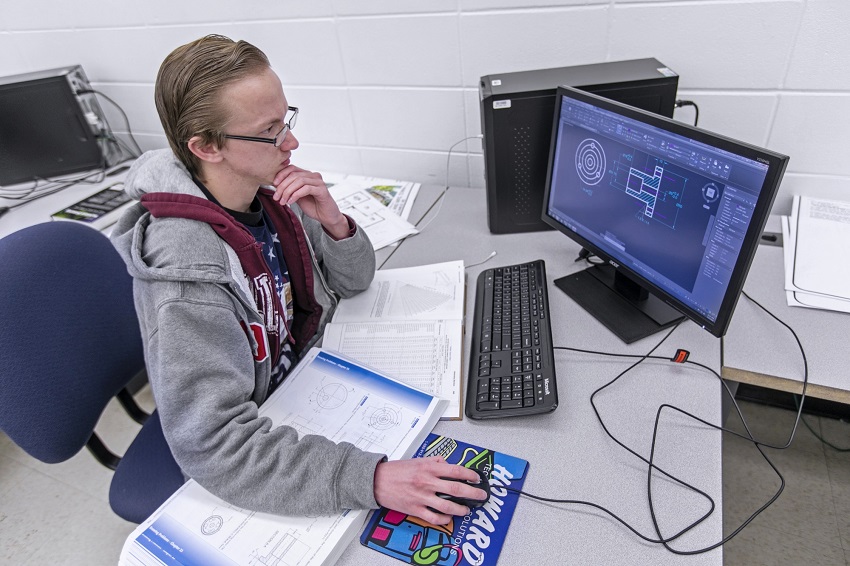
(817,434)
(679,103)
(651,461)
(51,186)
(588,256)
(123,115)
(439,199)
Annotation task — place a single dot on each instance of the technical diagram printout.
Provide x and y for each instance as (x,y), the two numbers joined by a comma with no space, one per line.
(383,226)
(324,394)
(409,324)
(398,196)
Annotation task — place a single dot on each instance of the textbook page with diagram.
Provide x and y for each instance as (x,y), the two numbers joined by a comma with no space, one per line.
(398,196)
(382,225)
(409,324)
(325,394)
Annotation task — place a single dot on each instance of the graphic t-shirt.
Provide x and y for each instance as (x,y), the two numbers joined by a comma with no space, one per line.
(261,227)
(266,235)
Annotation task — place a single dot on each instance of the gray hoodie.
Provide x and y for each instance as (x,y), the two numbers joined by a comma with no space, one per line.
(194,303)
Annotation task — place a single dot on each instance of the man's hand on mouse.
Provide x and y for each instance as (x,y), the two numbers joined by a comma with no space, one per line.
(411,487)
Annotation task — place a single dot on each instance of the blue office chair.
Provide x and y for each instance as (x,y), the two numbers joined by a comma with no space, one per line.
(70,342)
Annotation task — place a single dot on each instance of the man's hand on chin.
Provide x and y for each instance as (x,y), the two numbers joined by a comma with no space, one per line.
(293,184)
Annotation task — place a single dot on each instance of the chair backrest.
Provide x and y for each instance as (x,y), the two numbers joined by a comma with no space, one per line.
(69,337)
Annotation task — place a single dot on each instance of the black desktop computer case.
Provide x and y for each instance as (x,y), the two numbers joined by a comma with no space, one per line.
(517,112)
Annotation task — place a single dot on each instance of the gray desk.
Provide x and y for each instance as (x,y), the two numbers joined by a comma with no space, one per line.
(570,456)
(426,200)
(757,350)
(39,210)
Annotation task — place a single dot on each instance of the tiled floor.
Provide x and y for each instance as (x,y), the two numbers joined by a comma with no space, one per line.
(59,513)
(810,522)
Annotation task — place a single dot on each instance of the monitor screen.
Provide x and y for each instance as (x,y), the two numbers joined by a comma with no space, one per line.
(44,132)
(675,213)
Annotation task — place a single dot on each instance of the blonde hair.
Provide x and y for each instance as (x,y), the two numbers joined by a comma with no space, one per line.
(188,86)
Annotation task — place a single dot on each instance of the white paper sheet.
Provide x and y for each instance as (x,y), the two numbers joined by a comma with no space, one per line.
(409,324)
(794,296)
(822,238)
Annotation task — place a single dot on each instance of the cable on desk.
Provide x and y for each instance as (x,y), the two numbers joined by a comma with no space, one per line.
(138,149)
(651,460)
(486,259)
(438,202)
(29,194)
(442,196)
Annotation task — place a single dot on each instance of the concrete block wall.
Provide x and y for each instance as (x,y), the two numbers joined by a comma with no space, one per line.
(387,87)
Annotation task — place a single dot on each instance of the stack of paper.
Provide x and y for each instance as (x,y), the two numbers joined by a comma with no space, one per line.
(817,236)
(409,324)
(379,206)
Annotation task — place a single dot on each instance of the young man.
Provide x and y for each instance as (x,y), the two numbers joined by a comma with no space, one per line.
(238,258)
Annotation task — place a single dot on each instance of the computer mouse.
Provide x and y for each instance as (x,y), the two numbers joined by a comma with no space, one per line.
(483,483)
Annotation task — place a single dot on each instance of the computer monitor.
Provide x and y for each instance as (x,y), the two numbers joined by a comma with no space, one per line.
(50,125)
(674,213)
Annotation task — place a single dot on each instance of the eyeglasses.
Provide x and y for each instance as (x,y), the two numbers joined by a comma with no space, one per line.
(281,135)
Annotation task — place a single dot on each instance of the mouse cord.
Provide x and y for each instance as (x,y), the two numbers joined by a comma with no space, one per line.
(759,445)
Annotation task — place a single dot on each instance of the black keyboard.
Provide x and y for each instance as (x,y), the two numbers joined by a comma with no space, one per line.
(512,363)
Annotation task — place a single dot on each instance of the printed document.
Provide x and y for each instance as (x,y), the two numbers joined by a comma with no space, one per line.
(325,394)
(397,196)
(795,296)
(382,225)
(409,324)
(820,252)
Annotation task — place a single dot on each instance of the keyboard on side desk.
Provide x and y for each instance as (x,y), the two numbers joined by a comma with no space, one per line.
(511,363)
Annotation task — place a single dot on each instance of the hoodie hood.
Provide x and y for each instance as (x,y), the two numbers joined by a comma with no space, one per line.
(159,171)
(147,244)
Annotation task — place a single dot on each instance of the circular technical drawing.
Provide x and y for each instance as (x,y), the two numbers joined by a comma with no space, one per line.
(710,192)
(331,396)
(383,419)
(590,161)
(212,524)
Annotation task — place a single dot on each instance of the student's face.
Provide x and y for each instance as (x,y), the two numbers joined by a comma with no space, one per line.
(257,107)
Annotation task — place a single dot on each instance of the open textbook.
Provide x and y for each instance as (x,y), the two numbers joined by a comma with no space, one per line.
(324,394)
(409,324)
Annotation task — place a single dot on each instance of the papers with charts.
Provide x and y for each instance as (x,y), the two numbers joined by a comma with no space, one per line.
(379,206)
(409,324)
(325,394)
(816,237)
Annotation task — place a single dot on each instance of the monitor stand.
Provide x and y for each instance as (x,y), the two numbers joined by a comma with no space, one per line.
(624,307)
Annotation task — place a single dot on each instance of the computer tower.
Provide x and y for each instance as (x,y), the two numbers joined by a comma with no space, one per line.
(517,112)
(50,125)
